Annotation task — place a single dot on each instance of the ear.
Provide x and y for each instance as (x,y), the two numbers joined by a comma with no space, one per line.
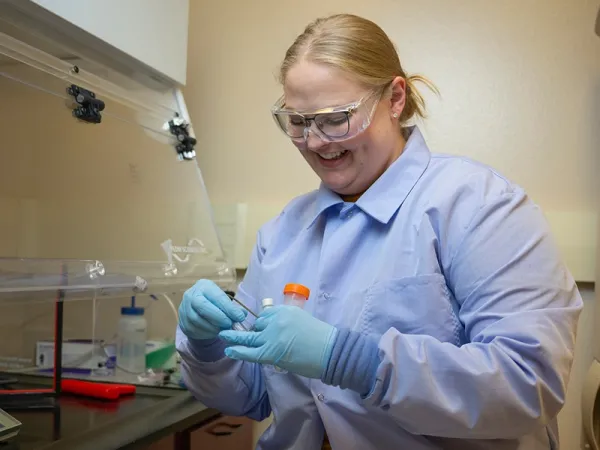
(398,100)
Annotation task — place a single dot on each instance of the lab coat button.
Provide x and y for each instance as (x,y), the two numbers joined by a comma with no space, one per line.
(321,397)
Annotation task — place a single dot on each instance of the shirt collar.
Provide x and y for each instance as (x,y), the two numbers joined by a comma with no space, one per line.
(386,195)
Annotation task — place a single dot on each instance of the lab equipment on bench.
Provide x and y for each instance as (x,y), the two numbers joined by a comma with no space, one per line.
(79,356)
(103,391)
(9,426)
(101,195)
(131,339)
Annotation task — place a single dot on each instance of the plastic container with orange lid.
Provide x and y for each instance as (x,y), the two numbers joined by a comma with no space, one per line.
(295,295)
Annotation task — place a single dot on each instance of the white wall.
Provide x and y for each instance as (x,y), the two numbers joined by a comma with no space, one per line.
(151,31)
(520,90)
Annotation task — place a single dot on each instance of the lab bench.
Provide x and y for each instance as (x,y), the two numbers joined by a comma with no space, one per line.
(153,419)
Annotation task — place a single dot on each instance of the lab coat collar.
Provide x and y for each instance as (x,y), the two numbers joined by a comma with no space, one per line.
(386,195)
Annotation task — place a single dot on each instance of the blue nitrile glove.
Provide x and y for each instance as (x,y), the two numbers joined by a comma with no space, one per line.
(206,310)
(287,337)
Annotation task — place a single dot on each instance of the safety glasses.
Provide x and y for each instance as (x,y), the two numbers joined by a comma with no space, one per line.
(331,124)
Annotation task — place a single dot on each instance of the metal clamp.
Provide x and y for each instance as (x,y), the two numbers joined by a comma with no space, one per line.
(185,143)
(87,107)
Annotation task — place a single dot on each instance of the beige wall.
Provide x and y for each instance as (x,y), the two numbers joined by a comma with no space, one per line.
(519,81)
(520,90)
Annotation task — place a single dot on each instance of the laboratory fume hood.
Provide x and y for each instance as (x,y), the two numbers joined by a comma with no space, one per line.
(101,196)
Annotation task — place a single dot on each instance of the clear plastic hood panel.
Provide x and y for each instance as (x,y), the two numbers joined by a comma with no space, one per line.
(105,206)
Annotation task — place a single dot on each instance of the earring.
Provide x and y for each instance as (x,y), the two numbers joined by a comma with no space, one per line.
(395,115)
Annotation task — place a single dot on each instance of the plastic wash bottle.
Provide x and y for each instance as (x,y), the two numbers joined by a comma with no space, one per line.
(131,341)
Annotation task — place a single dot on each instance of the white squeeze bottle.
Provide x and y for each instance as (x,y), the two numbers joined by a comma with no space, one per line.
(267,303)
(294,295)
(131,341)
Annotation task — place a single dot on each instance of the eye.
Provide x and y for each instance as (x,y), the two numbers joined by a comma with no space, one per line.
(333,119)
(296,120)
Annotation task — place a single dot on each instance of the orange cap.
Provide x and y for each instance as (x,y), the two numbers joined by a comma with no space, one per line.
(296,289)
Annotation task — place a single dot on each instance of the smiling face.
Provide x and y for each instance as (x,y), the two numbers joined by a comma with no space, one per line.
(348,166)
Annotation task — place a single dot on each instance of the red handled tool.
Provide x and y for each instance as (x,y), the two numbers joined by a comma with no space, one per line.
(104,391)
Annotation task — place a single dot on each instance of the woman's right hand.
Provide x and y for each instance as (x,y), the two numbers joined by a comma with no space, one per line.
(206,310)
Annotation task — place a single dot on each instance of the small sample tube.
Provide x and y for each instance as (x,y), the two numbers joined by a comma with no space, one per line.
(295,295)
(266,304)
(238,326)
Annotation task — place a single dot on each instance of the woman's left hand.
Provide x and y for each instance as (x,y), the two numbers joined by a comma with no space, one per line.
(287,337)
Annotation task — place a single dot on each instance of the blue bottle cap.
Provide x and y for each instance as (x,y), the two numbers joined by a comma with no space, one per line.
(132,311)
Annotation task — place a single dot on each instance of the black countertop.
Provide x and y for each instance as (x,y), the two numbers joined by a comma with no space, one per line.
(131,423)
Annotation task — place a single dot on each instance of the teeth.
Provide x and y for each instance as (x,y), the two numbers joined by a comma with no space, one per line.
(333,155)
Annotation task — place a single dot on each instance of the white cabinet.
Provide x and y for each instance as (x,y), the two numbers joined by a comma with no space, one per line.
(151,34)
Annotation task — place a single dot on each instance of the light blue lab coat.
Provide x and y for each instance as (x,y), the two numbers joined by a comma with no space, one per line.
(453,269)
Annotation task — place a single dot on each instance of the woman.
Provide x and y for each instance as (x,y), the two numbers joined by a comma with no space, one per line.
(440,314)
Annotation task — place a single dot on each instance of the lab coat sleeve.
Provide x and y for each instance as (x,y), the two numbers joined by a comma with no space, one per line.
(235,388)
(519,306)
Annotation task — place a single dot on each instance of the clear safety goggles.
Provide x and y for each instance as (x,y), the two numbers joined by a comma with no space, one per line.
(336,123)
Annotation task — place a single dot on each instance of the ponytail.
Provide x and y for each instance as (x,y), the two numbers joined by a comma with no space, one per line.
(415,103)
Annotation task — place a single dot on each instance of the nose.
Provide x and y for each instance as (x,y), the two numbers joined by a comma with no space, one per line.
(312,138)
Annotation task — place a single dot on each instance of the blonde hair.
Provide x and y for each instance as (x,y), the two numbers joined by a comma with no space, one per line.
(360,48)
